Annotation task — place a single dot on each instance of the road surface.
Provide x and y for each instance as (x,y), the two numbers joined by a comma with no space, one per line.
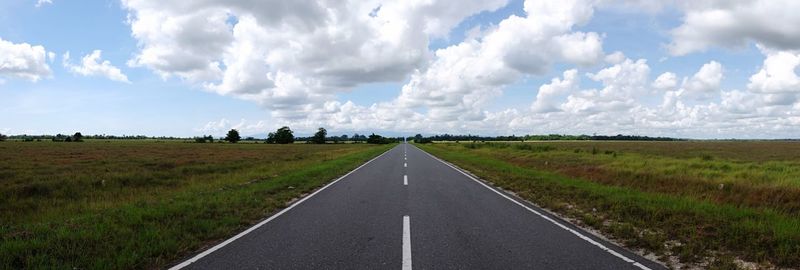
(407,209)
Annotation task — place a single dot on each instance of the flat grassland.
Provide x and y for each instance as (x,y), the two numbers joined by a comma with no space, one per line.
(144,204)
(704,203)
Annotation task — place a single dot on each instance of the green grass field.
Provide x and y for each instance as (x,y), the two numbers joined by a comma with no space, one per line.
(702,203)
(145,204)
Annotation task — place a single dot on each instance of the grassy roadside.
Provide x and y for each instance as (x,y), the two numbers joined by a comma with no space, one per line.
(620,193)
(123,205)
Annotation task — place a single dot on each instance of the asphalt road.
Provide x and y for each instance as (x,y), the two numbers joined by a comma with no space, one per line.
(406,209)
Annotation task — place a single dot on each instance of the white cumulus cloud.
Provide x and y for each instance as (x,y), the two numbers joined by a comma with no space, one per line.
(778,73)
(464,77)
(622,83)
(705,81)
(735,23)
(40,3)
(549,95)
(92,65)
(666,81)
(290,56)
(23,61)
(295,57)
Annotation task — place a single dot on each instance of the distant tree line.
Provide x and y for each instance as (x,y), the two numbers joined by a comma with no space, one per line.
(129,137)
(620,137)
(355,138)
(551,137)
(93,137)
(378,139)
(321,137)
(204,139)
(285,135)
(77,137)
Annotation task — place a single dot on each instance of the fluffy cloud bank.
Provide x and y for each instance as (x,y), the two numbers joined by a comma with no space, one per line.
(23,61)
(778,74)
(735,23)
(295,58)
(291,55)
(463,78)
(93,65)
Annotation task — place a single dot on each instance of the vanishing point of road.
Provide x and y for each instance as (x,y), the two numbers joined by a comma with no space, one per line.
(406,209)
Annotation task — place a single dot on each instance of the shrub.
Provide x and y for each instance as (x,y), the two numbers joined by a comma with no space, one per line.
(534,148)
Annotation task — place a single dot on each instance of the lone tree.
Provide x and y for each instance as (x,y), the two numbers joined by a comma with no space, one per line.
(283,135)
(377,139)
(78,137)
(417,138)
(233,136)
(2,137)
(319,137)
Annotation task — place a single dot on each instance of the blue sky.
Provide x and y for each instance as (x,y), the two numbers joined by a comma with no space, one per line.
(68,103)
(457,67)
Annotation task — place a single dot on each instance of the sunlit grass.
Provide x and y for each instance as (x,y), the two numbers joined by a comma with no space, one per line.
(710,205)
(143,204)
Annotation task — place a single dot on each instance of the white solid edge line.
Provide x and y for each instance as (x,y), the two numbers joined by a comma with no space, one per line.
(405,180)
(406,243)
(581,236)
(254,227)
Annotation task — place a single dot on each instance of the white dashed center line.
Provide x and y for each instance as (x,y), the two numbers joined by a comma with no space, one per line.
(406,243)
